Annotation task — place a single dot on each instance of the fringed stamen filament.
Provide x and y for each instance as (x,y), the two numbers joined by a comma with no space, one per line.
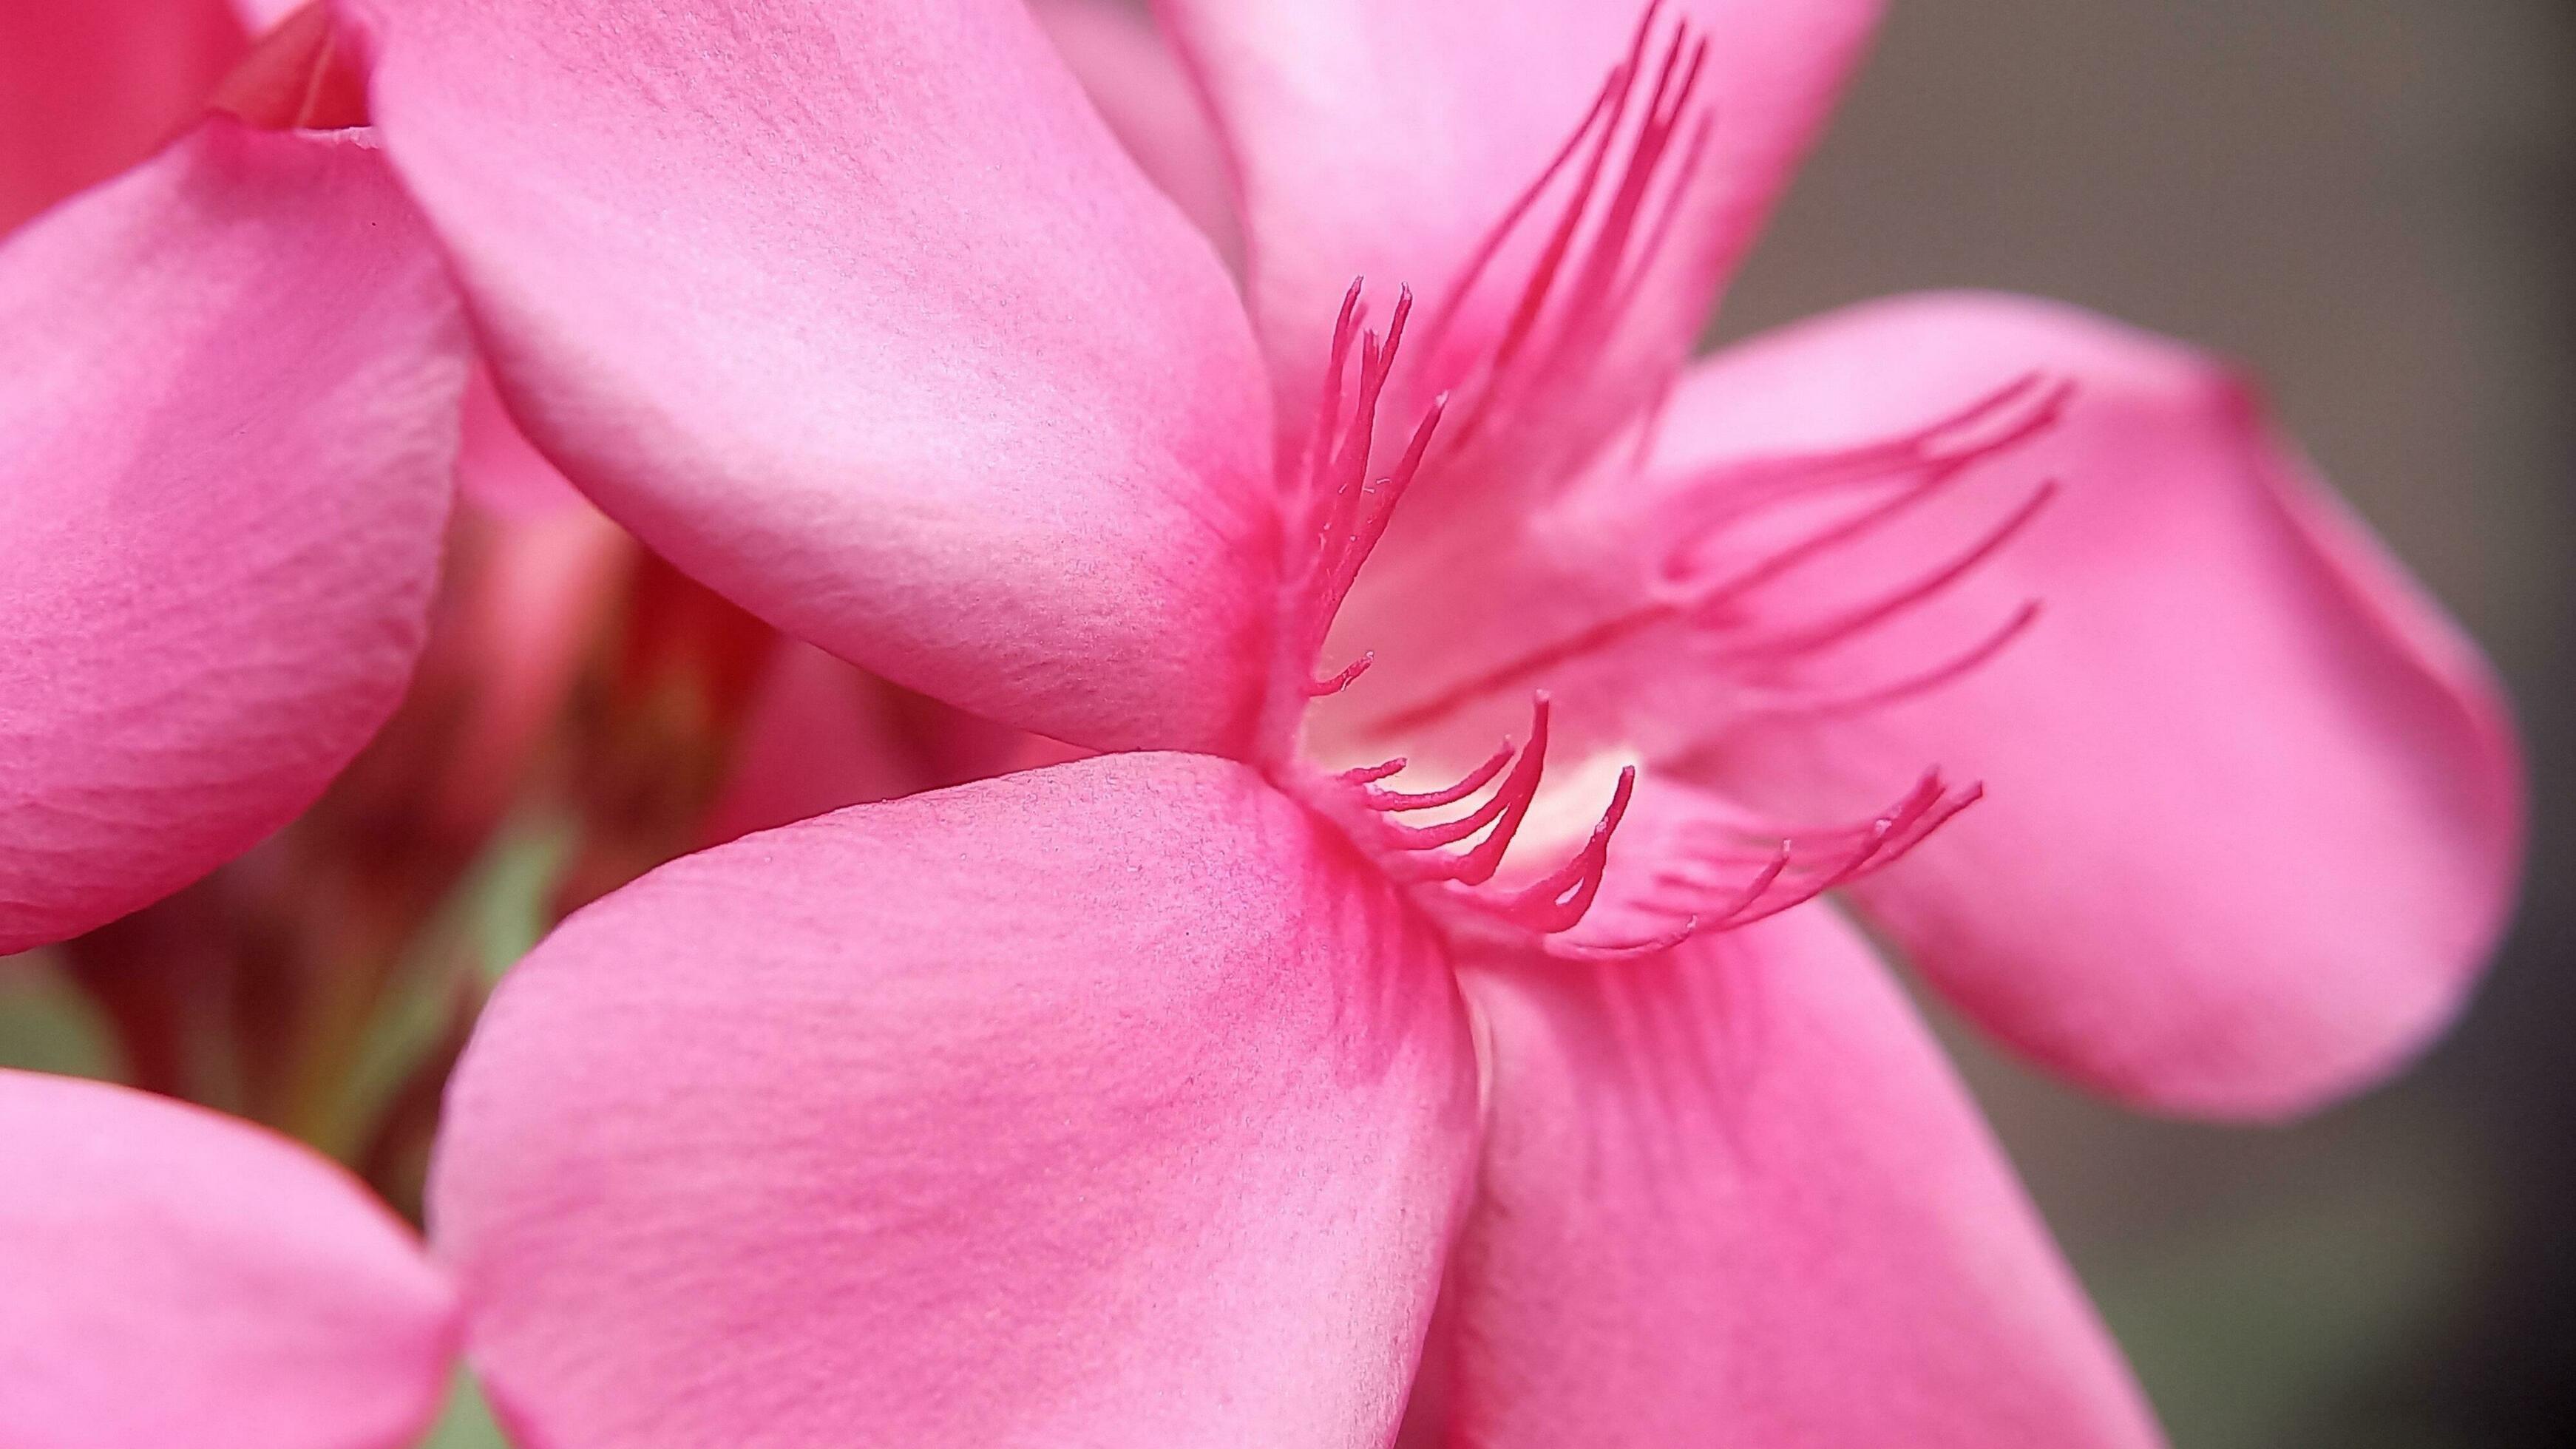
(1346,513)
(1851,623)
(1797,868)
(1792,704)
(1421,855)
(1603,240)
(1913,468)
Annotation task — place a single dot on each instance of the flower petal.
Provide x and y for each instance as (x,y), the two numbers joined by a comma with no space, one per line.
(1152,104)
(230,418)
(857,313)
(89,87)
(819,735)
(178,1277)
(1114,1103)
(1391,137)
(259,15)
(2254,814)
(499,471)
(1733,1195)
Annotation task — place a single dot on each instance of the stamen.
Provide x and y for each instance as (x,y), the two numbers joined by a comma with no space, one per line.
(1921,464)
(1594,952)
(1417,855)
(1344,515)
(1791,872)
(1328,406)
(1742,491)
(1558,900)
(1371,774)
(1475,780)
(1837,629)
(1788,705)
(1595,256)
(1505,809)
(1318,688)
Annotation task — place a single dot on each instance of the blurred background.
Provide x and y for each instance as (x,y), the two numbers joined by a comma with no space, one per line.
(2373,202)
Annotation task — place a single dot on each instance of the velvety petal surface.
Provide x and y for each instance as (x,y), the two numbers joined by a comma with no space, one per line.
(259,15)
(1152,104)
(90,87)
(1109,1104)
(819,735)
(1392,138)
(858,313)
(1733,1195)
(225,441)
(177,1277)
(499,471)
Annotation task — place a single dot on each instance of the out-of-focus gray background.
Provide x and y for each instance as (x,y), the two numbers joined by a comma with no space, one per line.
(2374,203)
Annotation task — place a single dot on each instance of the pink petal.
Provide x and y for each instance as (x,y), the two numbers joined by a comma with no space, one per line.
(89,87)
(1108,1104)
(857,313)
(1733,1195)
(499,471)
(819,736)
(2254,812)
(1152,104)
(231,415)
(1390,138)
(259,15)
(178,1277)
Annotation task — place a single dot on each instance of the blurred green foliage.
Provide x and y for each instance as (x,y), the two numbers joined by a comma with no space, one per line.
(467,1422)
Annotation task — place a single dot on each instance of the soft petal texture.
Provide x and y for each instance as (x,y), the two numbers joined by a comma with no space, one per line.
(301,74)
(177,1277)
(857,312)
(225,444)
(819,735)
(1733,1195)
(1387,138)
(1151,103)
(1112,1104)
(499,471)
(2252,818)
(89,87)
(259,15)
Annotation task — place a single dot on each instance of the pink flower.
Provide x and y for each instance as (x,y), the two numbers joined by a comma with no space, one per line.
(177,1277)
(1179,1096)
(1183,1097)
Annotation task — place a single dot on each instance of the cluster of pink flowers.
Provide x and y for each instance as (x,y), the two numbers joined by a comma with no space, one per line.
(1273,416)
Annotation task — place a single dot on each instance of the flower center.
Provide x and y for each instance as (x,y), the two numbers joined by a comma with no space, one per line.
(1500,452)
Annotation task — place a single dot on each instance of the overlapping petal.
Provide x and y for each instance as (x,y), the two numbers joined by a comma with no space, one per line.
(1108,1104)
(89,87)
(1733,1195)
(176,1277)
(1392,137)
(819,735)
(259,15)
(858,313)
(225,443)
(1152,104)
